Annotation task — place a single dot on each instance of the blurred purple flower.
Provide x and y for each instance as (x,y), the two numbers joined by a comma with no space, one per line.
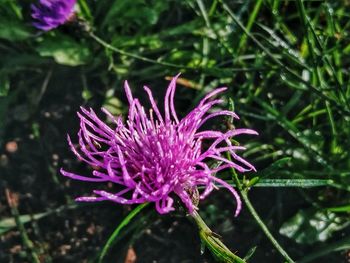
(52,13)
(151,156)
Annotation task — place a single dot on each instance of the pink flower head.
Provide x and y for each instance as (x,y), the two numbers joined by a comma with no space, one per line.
(50,14)
(153,155)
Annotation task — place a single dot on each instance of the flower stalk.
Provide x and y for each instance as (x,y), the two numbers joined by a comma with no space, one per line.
(213,242)
(244,193)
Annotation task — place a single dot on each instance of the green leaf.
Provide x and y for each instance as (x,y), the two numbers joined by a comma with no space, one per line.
(344,208)
(115,233)
(252,181)
(64,50)
(250,253)
(112,103)
(13,30)
(133,13)
(303,183)
(4,85)
(7,224)
(310,226)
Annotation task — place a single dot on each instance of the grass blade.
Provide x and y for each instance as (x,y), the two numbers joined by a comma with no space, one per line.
(115,233)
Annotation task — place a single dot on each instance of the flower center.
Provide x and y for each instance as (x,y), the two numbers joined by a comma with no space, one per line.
(161,156)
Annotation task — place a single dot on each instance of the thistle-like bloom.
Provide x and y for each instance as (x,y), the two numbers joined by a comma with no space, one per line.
(152,156)
(50,14)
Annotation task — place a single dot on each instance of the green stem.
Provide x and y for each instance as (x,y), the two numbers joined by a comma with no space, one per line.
(25,238)
(213,243)
(264,227)
(28,244)
(257,218)
(132,55)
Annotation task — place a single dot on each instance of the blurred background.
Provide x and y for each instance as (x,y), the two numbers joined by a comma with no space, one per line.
(286,64)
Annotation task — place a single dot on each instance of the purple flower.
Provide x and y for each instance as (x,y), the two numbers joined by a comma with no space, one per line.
(52,13)
(151,155)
